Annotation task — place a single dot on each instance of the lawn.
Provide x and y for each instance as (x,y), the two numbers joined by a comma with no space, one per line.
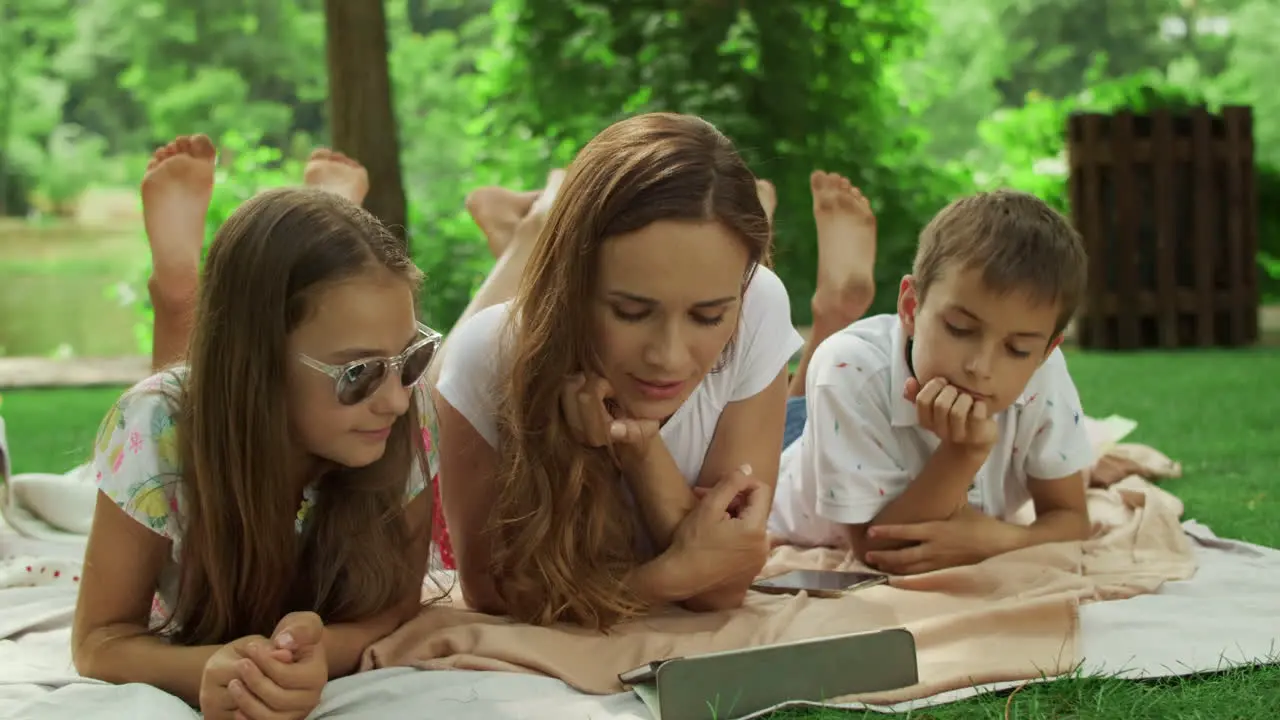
(1216,412)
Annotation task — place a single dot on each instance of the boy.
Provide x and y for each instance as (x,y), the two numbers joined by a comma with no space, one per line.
(927,429)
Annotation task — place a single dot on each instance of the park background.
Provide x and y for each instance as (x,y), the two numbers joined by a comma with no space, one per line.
(915,101)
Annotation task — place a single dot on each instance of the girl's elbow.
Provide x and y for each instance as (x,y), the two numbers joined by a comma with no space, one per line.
(83,656)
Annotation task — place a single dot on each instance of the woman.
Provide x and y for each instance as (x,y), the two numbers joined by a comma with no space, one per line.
(641,363)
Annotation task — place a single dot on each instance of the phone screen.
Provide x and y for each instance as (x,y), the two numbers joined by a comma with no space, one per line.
(821,580)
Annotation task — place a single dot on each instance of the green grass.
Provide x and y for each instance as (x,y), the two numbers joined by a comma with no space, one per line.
(1216,412)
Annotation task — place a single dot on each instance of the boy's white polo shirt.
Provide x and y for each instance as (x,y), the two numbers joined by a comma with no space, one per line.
(862,446)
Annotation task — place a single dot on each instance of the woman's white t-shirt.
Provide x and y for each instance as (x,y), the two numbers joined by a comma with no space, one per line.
(472,369)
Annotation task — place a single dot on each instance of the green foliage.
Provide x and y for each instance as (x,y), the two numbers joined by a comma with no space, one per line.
(915,100)
(447,151)
(1025,149)
(798,86)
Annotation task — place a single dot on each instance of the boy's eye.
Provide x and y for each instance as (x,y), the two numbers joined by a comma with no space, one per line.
(957,330)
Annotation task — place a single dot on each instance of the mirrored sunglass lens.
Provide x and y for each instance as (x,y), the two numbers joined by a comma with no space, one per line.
(359,381)
(416,364)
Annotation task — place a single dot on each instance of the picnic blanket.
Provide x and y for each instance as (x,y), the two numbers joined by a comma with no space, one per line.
(1013,617)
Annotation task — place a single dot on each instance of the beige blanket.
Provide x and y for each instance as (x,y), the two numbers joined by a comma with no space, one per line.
(1010,618)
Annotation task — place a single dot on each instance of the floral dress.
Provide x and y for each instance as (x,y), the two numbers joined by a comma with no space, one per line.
(137,465)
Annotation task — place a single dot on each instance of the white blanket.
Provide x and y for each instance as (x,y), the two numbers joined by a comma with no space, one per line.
(1223,617)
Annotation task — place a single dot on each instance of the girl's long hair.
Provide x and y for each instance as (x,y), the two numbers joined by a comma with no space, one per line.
(242,564)
(565,534)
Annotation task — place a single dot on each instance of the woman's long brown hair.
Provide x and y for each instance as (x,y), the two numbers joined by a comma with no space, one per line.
(565,536)
(243,566)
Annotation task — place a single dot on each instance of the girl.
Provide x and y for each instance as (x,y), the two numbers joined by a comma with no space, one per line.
(644,355)
(255,507)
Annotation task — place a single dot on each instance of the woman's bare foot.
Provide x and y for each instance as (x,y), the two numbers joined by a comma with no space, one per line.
(530,226)
(846,251)
(333,171)
(497,211)
(768,198)
(176,190)
(503,281)
(547,196)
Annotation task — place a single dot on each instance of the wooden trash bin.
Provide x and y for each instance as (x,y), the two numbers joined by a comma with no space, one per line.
(1168,210)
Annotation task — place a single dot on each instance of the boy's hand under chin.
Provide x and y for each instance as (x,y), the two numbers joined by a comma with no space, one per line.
(966,538)
(953,415)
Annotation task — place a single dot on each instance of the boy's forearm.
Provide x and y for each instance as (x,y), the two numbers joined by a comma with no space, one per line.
(128,654)
(935,494)
(1060,525)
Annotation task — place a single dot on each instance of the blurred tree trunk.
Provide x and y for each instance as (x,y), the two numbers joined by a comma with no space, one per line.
(361,113)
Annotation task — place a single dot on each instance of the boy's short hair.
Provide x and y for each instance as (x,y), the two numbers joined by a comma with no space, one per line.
(1019,243)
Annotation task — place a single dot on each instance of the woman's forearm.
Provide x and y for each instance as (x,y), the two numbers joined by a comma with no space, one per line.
(731,590)
(661,491)
(122,654)
(665,579)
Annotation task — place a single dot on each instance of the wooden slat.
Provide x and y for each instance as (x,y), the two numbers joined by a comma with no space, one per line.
(1219,243)
(1166,231)
(1186,301)
(1145,150)
(1255,322)
(1125,257)
(1236,211)
(1093,230)
(1077,154)
(1203,226)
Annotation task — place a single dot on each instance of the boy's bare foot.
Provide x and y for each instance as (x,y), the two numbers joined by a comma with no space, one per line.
(497,211)
(333,171)
(176,190)
(768,197)
(846,250)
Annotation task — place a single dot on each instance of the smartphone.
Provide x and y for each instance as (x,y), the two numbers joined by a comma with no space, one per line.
(819,583)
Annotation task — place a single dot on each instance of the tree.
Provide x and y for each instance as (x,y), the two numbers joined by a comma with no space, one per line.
(361,115)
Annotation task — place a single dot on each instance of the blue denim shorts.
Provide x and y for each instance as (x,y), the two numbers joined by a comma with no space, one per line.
(797,412)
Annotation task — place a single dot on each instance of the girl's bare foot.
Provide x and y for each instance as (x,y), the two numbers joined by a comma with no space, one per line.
(846,251)
(176,190)
(333,171)
(768,198)
(497,211)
